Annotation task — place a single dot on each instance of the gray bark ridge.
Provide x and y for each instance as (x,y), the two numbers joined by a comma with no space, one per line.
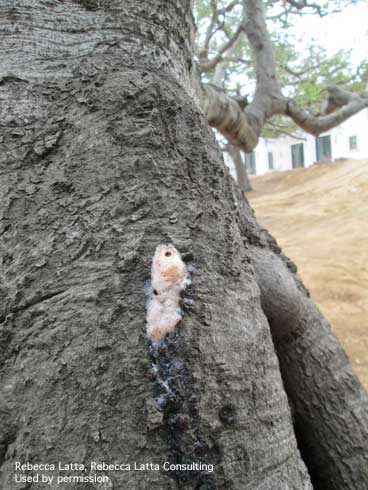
(105,155)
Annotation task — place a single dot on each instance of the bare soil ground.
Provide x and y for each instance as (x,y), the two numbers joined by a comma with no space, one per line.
(319,216)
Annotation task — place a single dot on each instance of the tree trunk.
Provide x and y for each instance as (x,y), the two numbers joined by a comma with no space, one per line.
(106,155)
(241,172)
(330,406)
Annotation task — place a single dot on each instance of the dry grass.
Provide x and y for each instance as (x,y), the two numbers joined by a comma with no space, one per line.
(319,216)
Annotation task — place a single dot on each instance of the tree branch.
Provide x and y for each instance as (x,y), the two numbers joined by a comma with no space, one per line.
(241,125)
(225,114)
(302,4)
(203,55)
(341,105)
(220,68)
(210,65)
(229,7)
(322,10)
(268,91)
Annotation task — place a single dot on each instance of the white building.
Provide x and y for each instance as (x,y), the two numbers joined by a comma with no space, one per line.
(349,140)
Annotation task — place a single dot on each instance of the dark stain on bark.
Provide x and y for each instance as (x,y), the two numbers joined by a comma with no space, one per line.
(176,396)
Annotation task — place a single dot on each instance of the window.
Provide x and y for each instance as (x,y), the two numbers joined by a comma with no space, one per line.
(250,162)
(270,160)
(297,155)
(323,148)
(353,143)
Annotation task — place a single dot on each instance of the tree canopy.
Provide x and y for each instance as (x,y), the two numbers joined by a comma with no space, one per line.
(244,45)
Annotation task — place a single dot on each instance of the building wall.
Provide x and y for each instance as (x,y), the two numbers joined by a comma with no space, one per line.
(355,126)
(281,147)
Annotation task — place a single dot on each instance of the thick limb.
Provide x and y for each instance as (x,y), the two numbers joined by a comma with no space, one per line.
(330,406)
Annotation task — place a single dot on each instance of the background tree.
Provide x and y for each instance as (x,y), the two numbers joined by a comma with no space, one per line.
(105,154)
(305,73)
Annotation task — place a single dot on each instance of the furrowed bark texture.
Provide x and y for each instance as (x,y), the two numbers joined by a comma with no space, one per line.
(104,156)
(329,404)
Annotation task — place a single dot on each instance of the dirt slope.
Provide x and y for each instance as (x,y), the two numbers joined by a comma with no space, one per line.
(320,218)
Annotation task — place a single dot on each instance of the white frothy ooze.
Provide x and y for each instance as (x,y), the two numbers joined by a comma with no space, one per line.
(169,276)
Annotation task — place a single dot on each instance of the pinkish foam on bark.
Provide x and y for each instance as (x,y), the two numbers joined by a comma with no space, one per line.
(169,276)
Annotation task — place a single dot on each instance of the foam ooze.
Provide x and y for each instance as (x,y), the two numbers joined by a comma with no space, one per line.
(169,276)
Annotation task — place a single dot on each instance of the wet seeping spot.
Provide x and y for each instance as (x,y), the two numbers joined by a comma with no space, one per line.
(227,415)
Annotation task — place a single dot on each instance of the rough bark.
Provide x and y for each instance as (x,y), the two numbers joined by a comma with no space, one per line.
(104,155)
(330,406)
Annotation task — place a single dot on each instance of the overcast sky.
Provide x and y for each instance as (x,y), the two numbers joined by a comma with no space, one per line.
(338,31)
